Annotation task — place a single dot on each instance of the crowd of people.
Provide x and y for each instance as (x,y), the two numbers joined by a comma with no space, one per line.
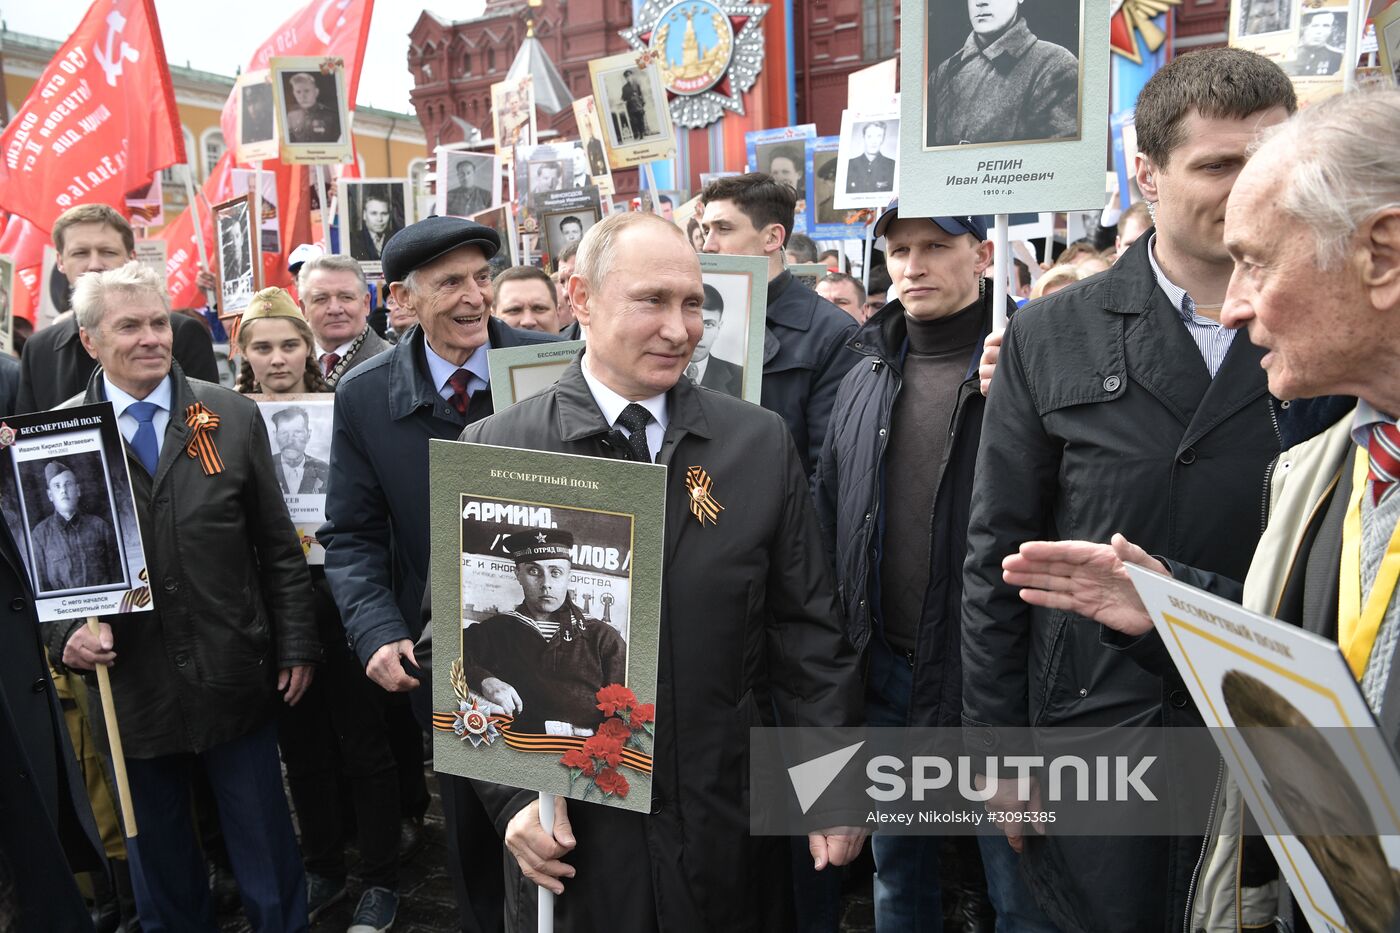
(926,524)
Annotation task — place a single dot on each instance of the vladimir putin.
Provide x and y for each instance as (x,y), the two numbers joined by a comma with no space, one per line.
(72,548)
(705,368)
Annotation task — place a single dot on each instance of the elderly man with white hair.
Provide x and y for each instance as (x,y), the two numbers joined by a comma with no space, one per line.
(231,633)
(1313,226)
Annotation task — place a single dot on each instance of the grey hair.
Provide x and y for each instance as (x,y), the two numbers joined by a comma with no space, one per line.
(598,248)
(329,262)
(132,280)
(1345,166)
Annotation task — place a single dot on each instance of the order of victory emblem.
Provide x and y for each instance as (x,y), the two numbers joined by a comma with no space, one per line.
(709,53)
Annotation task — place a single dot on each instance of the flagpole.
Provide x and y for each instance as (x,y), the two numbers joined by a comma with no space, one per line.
(194,215)
(865,261)
(545,910)
(1000,259)
(114,741)
(257,211)
(325,207)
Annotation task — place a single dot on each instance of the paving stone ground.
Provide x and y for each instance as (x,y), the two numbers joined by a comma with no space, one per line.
(426,903)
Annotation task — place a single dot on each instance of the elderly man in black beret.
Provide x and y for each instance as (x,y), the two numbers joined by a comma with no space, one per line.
(432,384)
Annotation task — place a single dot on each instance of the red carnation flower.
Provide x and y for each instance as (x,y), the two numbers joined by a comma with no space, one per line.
(611,781)
(615,697)
(615,729)
(604,748)
(642,714)
(575,758)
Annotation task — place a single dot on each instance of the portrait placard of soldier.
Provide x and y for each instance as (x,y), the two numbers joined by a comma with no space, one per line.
(542,584)
(240,272)
(513,115)
(66,497)
(1322,41)
(467,182)
(1257,17)
(782,153)
(563,229)
(825,222)
(632,107)
(299,435)
(257,117)
(590,131)
(371,211)
(313,122)
(729,353)
(865,166)
(1002,71)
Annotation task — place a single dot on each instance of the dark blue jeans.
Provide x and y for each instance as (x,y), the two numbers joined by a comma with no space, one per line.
(1017,911)
(167,869)
(907,894)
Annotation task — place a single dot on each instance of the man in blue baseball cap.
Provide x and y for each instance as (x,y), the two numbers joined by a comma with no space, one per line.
(432,384)
(901,447)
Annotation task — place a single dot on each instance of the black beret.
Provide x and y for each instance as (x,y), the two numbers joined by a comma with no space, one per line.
(419,244)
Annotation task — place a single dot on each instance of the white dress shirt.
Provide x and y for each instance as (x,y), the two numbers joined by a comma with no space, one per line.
(611,405)
(441,371)
(121,401)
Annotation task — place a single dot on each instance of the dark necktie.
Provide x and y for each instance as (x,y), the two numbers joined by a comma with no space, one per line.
(328,363)
(143,442)
(635,419)
(1384,451)
(461,396)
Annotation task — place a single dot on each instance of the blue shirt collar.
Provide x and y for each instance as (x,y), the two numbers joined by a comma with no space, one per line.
(441,370)
(121,401)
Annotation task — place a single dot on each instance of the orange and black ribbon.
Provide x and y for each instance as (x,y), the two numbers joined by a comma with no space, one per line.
(201,443)
(539,742)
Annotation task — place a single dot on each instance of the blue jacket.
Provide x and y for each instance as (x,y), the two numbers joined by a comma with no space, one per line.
(376,530)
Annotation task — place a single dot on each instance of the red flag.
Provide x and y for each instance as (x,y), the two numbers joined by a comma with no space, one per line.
(100,121)
(24,243)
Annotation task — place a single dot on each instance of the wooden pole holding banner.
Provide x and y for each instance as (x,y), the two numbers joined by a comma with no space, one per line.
(325,207)
(546,897)
(1356,25)
(194,217)
(1001,258)
(114,740)
(257,210)
(865,256)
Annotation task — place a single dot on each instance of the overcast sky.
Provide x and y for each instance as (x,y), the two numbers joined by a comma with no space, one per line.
(220,36)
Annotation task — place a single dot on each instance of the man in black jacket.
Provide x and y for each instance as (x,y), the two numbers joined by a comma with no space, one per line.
(200,677)
(430,385)
(54,365)
(46,825)
(748,610)
(901,448)
(804,351)
(1120,404)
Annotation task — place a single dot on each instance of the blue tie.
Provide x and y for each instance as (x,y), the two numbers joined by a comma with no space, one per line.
(144,442)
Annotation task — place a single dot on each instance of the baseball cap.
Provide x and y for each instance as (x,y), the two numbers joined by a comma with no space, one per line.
(954,224)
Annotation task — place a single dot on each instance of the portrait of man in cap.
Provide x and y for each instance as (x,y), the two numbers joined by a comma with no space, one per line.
(543,662)
(73,549)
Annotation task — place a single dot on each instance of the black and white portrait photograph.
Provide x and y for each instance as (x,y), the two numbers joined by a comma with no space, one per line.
(7,317)
(865,171)
(502,220)
(1388,40)
(563,229)
(513,115)
(545,611)
(1002,71)
(1257,17)
(1322,39)
(547,174)
(467,182)
(824,187)
(71,524)
(66,497)
(312,110)
(371,211)
(257,117)
(240,273)
(590,131)
(785,161)
(728,347)
(299,435)
(632,107)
